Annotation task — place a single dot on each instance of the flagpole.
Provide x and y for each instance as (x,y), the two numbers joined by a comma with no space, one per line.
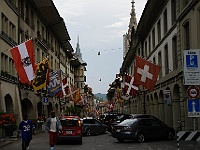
(18,41)
(144,103)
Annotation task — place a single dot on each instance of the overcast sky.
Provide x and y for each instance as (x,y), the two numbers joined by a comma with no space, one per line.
(100,25)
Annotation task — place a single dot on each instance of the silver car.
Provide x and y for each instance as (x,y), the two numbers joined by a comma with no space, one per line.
(93,126)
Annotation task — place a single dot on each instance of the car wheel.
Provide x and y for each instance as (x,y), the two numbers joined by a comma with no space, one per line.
(80,141)
(170,135)
(58,142)
(105,130)
(140,137)
(88,132)
(120,140)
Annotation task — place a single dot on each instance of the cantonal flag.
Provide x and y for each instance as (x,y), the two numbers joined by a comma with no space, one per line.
(23,56)
(42,75)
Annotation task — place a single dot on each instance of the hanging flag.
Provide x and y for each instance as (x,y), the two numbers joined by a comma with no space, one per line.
(118,99)
(42,75)
(146,73)
(110,106)
(130,87)
(65,89)
(77,97)
(83,100)
(55,84)
(23,57)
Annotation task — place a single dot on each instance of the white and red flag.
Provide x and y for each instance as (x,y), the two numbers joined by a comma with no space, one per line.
(65,89)
(146,73)
(23,56)
(110,106)
(130,87)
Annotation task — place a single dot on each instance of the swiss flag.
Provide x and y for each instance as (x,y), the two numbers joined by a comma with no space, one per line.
(23,57)
(130,87)
(146,73)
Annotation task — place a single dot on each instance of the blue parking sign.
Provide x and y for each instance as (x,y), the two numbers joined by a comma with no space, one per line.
(192,61)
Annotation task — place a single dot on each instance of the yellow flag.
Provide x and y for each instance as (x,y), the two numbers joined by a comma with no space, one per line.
(118,93)
(42,75)
(77,97)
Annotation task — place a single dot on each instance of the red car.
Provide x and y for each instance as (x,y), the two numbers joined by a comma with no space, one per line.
(71,129)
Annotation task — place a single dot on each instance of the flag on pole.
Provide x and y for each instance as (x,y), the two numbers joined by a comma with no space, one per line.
(23,57)
(42,75)
(130,87)
(146,73)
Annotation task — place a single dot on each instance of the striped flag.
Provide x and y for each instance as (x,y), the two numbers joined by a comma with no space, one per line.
(23,57)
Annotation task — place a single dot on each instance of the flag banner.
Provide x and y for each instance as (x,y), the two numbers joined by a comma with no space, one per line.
(146,73)
(77,97)
(65,89)
(110,106)
(55,84)
(23,57)
(42,75)
(117,96)
(130,87)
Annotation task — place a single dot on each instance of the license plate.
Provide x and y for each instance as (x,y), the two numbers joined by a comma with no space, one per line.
(118,130)
(68,132)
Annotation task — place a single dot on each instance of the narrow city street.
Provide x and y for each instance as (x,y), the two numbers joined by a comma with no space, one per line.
(103,142)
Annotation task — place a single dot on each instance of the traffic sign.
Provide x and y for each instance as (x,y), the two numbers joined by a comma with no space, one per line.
(193,91)
(46,101)
(193,108)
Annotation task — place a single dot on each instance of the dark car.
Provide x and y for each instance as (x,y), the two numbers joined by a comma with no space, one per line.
(108,118)
(123,117)
(118,119)
(93,126)
(142,129)
(71,129)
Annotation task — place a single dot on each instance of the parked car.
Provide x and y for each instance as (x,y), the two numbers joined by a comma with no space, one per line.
(108,118)
(71,129)
(123,117)
(142,129)
(93,126)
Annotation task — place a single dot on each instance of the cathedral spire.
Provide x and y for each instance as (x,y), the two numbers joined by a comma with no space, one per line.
(133,19)
(78,50)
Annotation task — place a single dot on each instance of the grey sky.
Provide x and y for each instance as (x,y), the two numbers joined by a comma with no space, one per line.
(100,25)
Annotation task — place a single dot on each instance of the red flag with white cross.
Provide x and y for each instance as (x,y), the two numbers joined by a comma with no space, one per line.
(130,87)
(146,73)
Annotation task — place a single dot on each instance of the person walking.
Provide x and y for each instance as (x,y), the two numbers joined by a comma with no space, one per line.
(26,128)
(53,126)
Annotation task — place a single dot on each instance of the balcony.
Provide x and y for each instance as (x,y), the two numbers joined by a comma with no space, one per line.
(6,76)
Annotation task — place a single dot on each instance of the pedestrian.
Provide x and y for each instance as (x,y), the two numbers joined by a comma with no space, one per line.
(26,128)
(53,126)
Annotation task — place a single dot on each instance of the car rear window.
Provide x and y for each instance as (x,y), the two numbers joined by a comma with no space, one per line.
(128,122)
(69,122)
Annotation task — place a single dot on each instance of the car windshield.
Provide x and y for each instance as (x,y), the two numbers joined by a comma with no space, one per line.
(69,122)
(128,122)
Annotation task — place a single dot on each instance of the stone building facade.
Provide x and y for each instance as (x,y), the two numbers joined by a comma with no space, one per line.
(165,29)
(22,20)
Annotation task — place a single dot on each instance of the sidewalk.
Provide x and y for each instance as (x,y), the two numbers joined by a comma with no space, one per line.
(9,140)
(5,141)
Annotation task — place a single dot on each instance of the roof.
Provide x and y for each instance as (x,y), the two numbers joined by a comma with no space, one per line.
(51,18)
